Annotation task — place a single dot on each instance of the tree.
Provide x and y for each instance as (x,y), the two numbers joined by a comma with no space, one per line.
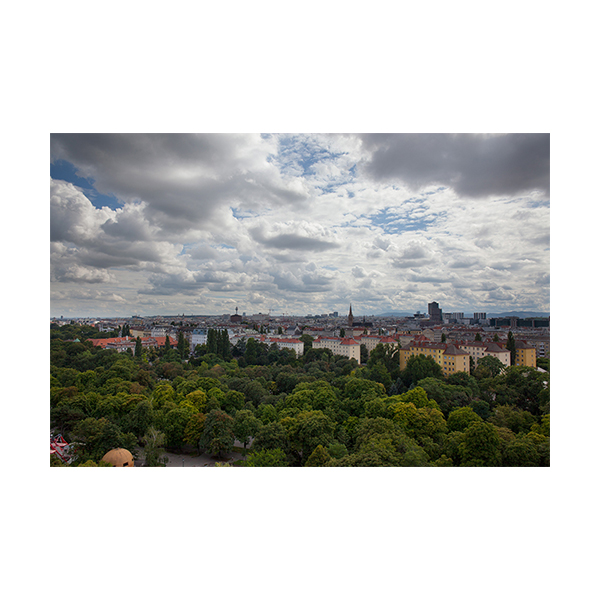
(307,430)
(419,367)
(308,340)
(194,430)
(318,458)
(521,452)
(140,418)
(511,345)
(232,401)
(182,346)
(98,436)
(488,366)
(153,448)
(460,418)
(218,436)
(245,426)
(480,446)
(175,423)
(251,351)
(513,418)
(138,347)
(274,457)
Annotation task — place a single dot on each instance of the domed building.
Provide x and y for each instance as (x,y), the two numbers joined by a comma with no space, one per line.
(119,457)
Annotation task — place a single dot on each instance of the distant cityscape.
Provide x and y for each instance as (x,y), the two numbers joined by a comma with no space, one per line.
(451,338)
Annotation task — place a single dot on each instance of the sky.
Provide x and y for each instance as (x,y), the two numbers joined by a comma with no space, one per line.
(295,224)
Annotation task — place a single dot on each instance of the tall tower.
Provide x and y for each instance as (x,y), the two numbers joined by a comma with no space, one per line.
(350,318)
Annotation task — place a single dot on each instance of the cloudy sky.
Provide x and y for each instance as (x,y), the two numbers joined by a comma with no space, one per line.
(298,223)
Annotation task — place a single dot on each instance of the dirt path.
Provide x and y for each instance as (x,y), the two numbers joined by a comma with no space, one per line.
(187,460)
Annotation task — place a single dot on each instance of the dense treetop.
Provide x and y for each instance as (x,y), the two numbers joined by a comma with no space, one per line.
(316,410)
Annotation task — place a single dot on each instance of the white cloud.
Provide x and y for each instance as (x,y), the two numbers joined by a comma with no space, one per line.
(288,221)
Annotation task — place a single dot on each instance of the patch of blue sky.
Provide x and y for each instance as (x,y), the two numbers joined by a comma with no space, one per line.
(240,214)
(300,154)
(440,189)
(391,222)
(66,171)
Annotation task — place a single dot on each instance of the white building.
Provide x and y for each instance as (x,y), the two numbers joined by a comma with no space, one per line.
(348,347)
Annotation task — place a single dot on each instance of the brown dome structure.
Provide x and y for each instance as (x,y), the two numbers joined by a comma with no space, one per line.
(119,457)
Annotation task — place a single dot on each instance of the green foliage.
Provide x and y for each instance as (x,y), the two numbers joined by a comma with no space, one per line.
(337,450)
(153,442)
(317,409)
(460,418)
(488,366)
(319,457)
(174,426)
(521,452)
(218,436)
(420,367)
(447,397)
(480,446)
(419,422)
(268,458)
(97,436)
(513,418)
(511,345)
(91,463)
(245,426)
(194,430)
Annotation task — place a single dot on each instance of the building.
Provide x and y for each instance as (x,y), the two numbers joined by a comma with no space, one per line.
(347,347)
(525,354)
(119,457)
(477,350)
(287,343)
(350,318)
(435,313)
(236,318)
(448,356)
(372,341)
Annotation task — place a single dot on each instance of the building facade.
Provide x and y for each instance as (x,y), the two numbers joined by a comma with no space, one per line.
(448,356)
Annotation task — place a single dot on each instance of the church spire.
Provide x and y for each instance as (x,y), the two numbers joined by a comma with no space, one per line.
(350,317)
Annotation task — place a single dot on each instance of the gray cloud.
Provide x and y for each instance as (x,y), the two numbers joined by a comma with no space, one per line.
(185,181)
(292,241)
(473,165)
(203,218)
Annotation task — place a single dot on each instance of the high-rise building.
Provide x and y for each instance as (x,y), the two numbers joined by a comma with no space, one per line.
(435,313)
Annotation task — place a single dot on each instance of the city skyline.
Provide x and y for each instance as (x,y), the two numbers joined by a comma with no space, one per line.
(298,224)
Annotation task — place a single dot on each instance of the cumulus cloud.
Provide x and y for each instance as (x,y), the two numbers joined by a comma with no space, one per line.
(473,165)
(389,221)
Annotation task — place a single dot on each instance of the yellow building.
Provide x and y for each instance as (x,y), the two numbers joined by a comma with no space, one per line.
(448,356)
(525,355)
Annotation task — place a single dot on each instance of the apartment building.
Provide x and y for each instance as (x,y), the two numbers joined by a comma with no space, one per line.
(287,343)
(477,350)
(525,354)
(348,347)
(448,356)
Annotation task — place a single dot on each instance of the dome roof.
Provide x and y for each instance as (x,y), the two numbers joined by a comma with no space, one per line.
(119,457)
